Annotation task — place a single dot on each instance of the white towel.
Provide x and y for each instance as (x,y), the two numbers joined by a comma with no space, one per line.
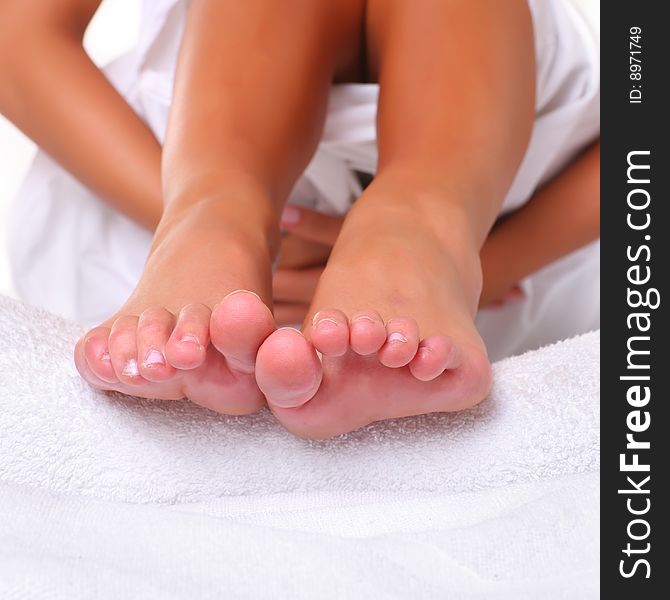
(103,496)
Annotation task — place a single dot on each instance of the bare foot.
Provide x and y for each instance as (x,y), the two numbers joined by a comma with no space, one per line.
(194,324)
(400,341)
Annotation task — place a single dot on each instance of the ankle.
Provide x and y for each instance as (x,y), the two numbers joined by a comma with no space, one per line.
(442,204)
(421,218)
(239,214)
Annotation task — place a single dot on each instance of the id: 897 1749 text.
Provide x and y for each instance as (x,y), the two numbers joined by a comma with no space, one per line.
(635,65)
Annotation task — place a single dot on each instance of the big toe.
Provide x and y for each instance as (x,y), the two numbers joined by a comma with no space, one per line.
(288,370)
(240,323)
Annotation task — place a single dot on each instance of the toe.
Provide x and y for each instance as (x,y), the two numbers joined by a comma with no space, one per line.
(153,331)
(330,332)
(367,332)
(402,341)
(123,350)
(435,355)
(288,370)
(84,368)
(240,323)
(186,347)
(95,350)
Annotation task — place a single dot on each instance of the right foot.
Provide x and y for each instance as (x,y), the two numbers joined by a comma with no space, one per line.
(390,331)
(193,325)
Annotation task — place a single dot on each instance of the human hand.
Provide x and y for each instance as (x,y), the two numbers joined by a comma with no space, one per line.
(487,300)
(304,251)
(500,281)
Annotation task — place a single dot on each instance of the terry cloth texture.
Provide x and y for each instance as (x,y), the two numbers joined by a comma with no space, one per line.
(105,496)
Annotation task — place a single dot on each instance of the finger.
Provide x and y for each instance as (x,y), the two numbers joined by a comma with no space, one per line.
(513,295)
(293,285)
(288,313)
(311,225)
(298,253)
(516,293)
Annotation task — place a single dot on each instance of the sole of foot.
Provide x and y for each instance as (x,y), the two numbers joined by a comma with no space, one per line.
(356,371)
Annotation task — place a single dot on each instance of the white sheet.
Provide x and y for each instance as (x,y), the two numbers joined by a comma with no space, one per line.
(112,497)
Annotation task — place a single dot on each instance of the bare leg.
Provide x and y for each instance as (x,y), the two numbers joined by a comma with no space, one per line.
(393,312)
(250,97)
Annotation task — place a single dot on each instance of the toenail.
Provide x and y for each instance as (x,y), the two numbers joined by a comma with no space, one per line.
(242,292)
(396,336)
(154,358)
(293,329)
(131,370)
(190,340)
(324,323)
(290,215)
(363,318)
(320,316)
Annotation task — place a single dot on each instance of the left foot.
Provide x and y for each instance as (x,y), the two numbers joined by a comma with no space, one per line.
(193,325)
(401,341)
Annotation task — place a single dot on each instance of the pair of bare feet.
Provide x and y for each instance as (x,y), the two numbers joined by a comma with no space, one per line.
(390,331)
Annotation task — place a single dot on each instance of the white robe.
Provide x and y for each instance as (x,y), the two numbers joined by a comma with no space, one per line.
(74,255)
